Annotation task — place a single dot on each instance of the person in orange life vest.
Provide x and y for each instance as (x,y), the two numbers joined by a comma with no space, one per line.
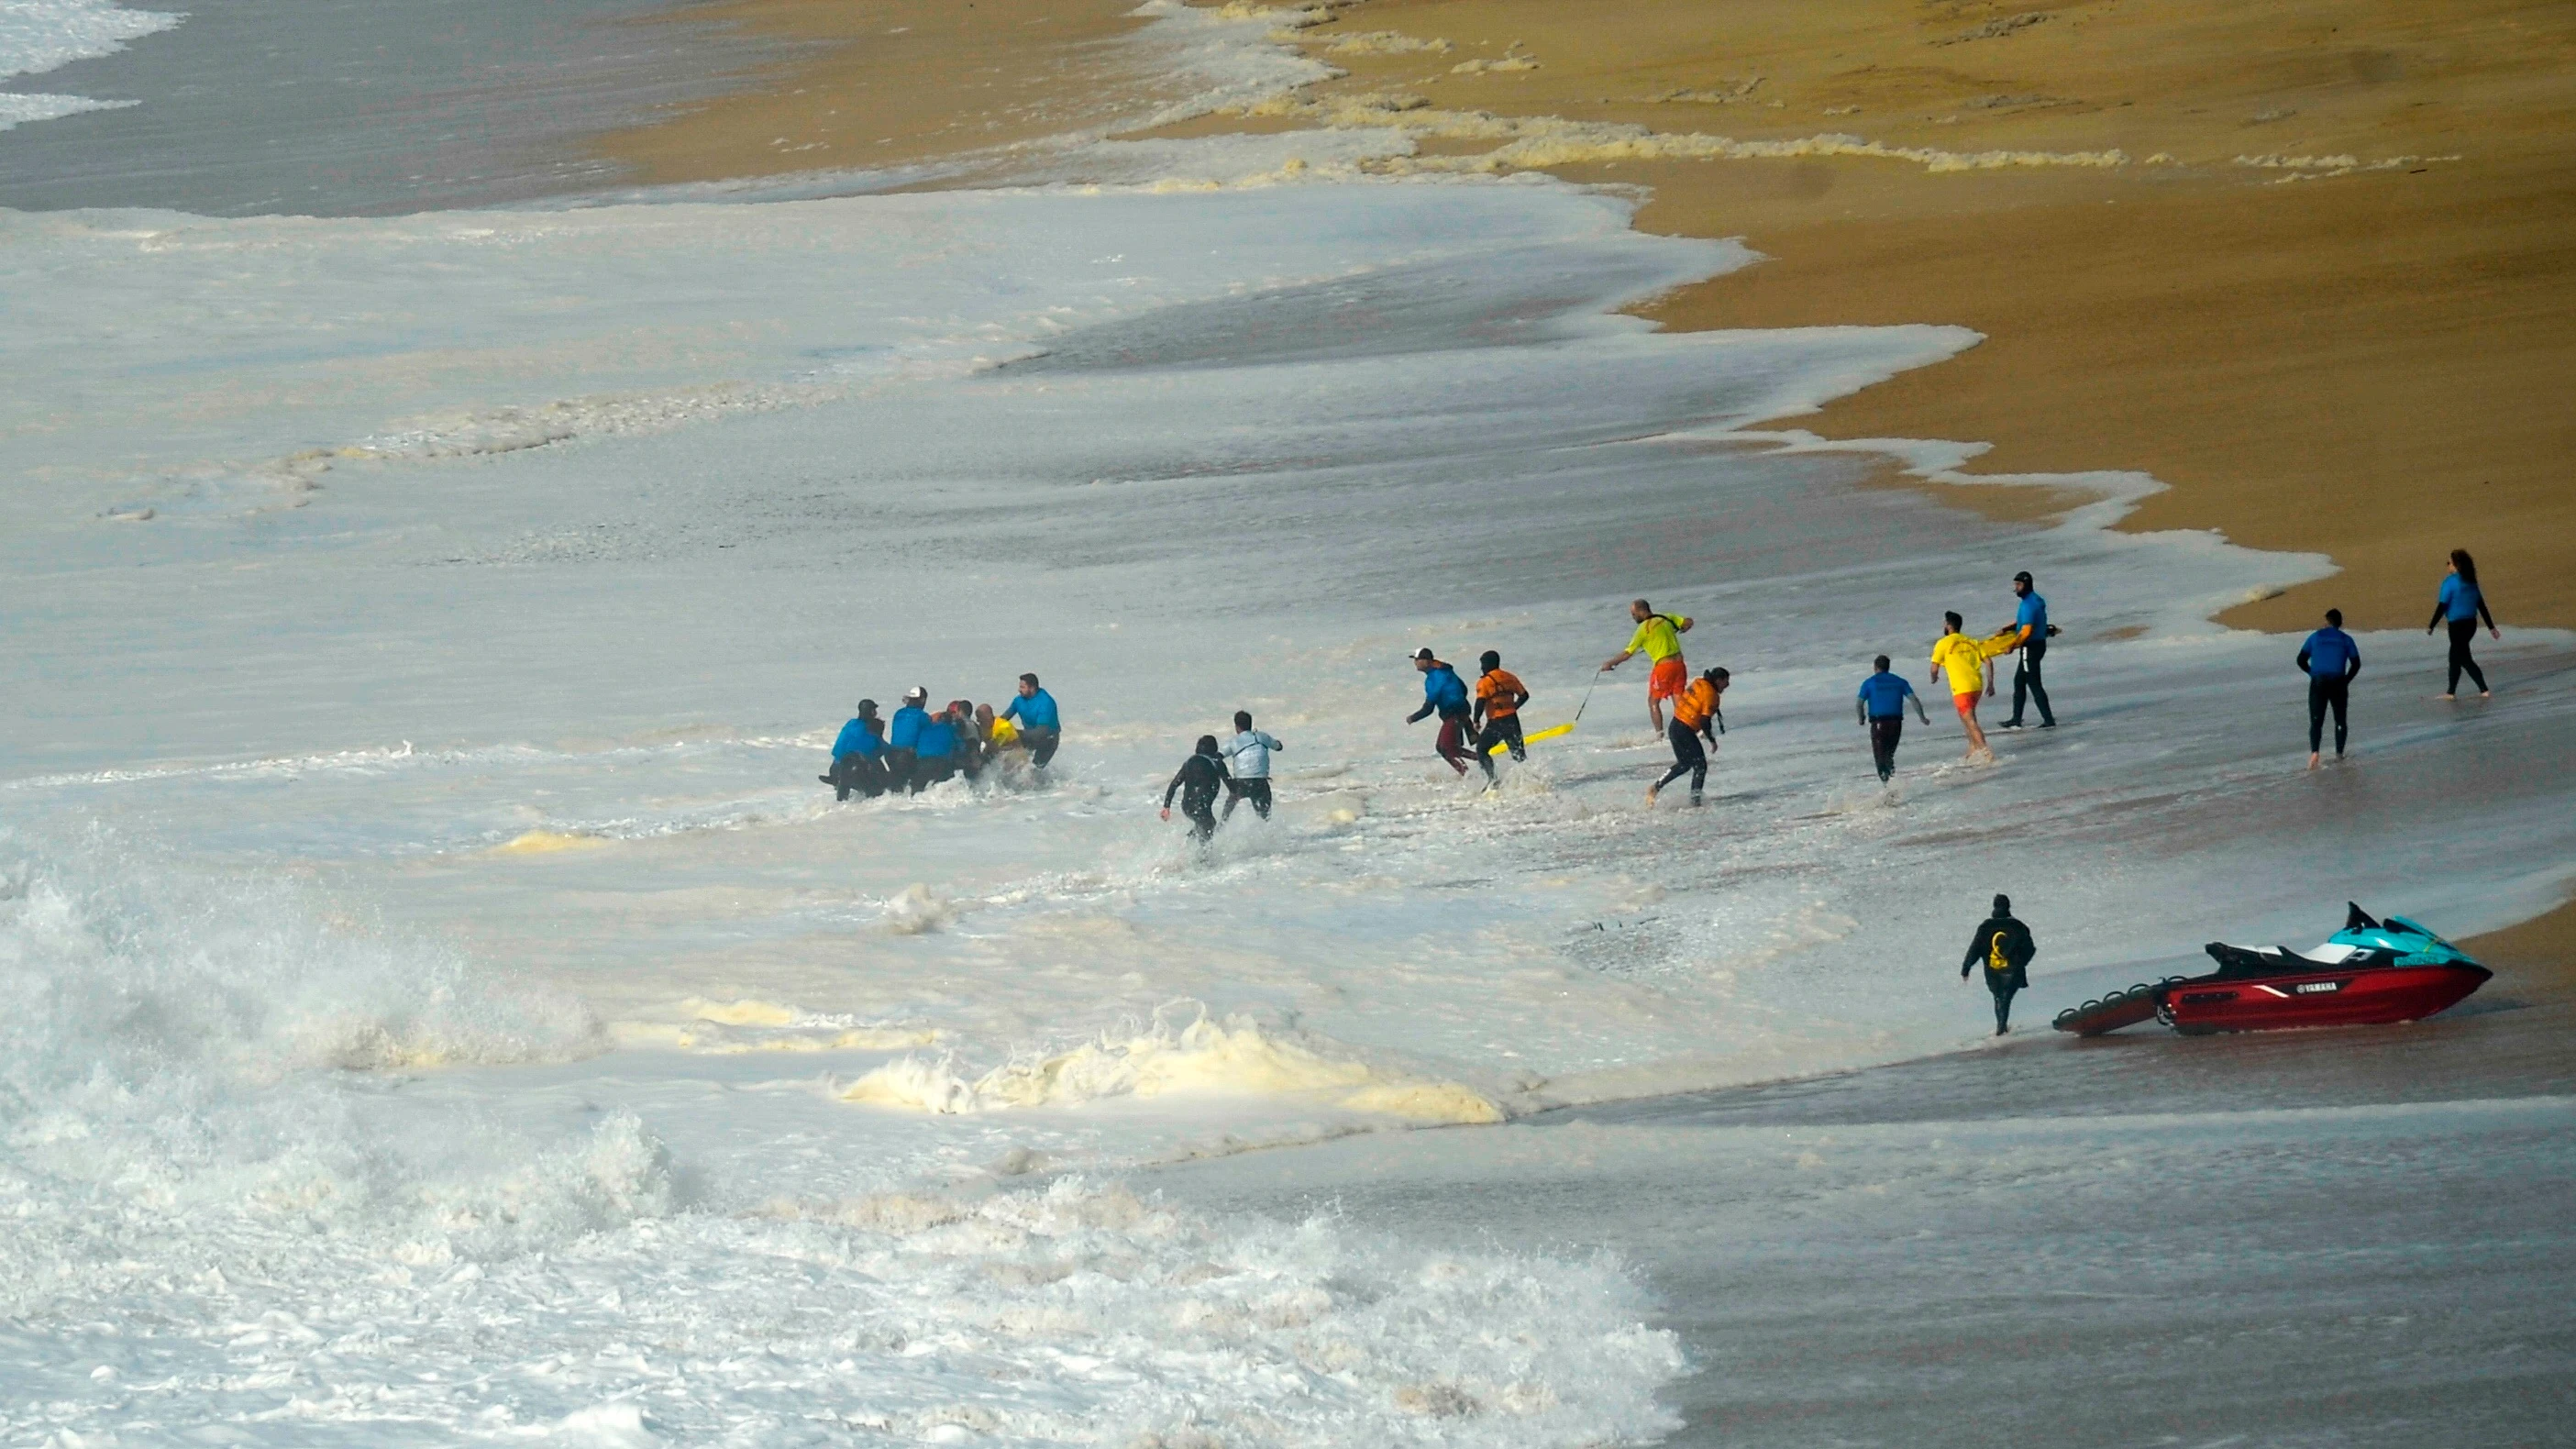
(1499,697)
(1694,716)
(1658,637)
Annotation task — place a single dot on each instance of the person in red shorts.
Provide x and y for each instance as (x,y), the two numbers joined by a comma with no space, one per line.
(1659,638)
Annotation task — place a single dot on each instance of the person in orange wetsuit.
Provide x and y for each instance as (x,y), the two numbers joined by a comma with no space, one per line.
(1499,697)
(1694,716)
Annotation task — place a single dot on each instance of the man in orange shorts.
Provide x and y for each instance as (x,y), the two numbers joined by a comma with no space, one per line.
(1659,638)
(1964,660)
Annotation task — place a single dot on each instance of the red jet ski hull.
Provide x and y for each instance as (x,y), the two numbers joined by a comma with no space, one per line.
(2376,996)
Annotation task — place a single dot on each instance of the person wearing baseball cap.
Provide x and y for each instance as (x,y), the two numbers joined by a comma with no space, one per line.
(903,741)
(2031,638)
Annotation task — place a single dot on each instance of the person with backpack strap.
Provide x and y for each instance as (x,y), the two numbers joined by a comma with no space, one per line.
(2004,948)
(1658,637)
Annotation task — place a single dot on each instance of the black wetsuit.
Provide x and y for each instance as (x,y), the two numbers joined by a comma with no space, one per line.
(1197,783)
(1505,731)
(2462,631)
(1688,758)
(2324,695)
(1256,790)
(2008,940)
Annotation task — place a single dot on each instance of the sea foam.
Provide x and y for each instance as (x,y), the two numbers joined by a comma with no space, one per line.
(41,35)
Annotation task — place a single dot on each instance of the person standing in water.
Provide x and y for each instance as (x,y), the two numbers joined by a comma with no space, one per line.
(2330,660)
(902,757)
(935,748)
(1445,694)
(1197,782)
(1659,638)
(1499,697)
(854,756)
(2031,630)
(1964,660)
(2461,604)
(1694,710)
(2004,947)
(1247,761)
(1881,708)
(1034,715)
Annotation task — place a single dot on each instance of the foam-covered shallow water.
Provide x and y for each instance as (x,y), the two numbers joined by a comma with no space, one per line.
(451,965)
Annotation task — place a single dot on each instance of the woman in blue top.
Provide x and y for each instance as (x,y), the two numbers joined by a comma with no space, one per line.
(2461,605)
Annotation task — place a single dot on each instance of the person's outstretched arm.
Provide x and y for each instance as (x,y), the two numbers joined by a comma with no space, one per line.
(1174,788)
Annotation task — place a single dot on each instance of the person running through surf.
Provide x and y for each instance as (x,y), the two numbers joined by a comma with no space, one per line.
(1964,660)
(1694,716)
(2461,604)
(1659,638)
(1445,694)
(2003,946)
(1247,761)
(2331,661)
(1881,707)
(1197,782)
(1499,697)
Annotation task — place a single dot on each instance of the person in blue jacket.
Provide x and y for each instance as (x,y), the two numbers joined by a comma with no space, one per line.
(902,756)
(2030,621)
(2330,660)
(2461,604)
(854,755)
(935,749)
(1041,728)
(1445,694)
(1881,707)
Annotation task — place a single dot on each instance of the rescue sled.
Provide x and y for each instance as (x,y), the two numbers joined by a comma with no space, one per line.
(2370,973)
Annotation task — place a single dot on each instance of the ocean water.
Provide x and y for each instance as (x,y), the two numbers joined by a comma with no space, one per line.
(449,1008)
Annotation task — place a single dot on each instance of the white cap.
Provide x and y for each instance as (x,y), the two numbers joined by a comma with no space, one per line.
(917,692)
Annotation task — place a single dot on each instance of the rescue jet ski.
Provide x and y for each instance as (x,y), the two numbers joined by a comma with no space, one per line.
(2370,973)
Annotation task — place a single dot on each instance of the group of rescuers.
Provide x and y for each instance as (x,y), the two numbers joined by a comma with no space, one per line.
(920,748)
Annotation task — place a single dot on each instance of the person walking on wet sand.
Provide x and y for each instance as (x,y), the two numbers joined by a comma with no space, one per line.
(1964,660)
(1881,707)
(1445,694)
(2461,604)
(1197,782)
(1694,716)
(2004,947)
(1659,638)
(2030,634)
(2330,660)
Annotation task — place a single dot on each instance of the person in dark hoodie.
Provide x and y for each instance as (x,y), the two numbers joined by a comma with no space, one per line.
(854,755)
(2004,947)
(1444,693)
(1197,782)
(903,742)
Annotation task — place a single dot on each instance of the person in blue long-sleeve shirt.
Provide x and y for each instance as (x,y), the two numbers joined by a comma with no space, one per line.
(1041,728)
(2461,604)
(1881,706)
(902,756)
(934,751)
(2330,660)
(1445,694)
(854,755)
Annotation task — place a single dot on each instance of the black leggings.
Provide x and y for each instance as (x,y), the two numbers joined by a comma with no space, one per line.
(1504,731)
(2026,681)
(2003,1002)
(2322,695)
(1688,758)
(2462,631)
(1884,732)
(1256,790)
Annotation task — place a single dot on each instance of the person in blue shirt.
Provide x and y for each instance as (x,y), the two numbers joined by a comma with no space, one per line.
(2330,660)
(1881,706)
(1444,693)
(934,750)
(2461,604)
(902,757)
(854,756)
(1041,728)
(2032,640)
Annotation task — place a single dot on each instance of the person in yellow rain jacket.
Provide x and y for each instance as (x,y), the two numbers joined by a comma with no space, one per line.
(1694,711)
(1963,659)
(1659,638)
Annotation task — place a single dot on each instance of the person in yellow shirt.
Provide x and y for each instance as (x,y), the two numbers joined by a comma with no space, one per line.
(1964,660)
(1659,638)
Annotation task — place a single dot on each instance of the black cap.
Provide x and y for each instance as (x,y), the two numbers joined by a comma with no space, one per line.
(1424,654)
(2023,577)
(2003,904)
